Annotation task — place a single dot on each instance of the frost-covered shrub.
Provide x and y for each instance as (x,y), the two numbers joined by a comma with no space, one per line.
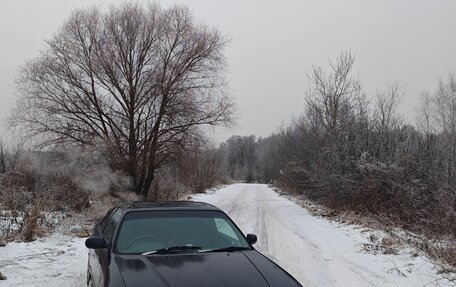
(51,189)
(17,190)
(297,179)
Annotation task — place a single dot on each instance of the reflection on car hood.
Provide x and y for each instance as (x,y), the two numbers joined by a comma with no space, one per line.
(190,270)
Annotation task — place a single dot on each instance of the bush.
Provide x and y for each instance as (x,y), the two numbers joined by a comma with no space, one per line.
(21,190)
(15,190)
(297,179)
(30,227)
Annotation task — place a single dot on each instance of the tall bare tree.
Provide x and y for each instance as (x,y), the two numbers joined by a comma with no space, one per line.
(445,116)
(140,81)
(333,98)
(2,158)
(333,103)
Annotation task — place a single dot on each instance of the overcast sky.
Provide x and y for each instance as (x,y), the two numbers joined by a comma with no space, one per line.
(274,45)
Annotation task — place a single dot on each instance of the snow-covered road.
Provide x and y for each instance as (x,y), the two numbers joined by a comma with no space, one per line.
(314,250)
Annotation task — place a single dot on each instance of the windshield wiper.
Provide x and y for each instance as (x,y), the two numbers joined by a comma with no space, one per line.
(225,249)
(172,249)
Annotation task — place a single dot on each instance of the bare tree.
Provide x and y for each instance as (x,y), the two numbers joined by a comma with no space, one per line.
(386,121)
(334,102)
(385,114)
(11,153)
(139,81)
(201,167)
(2,158)
(445,116)
(424,114)
(333,98)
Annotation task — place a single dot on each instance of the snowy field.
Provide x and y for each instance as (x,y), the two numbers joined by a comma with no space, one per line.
(316,251)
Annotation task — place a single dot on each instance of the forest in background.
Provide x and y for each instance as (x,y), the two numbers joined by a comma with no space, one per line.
(351,152)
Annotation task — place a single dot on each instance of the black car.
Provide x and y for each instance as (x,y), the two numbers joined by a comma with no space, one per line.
(176,244)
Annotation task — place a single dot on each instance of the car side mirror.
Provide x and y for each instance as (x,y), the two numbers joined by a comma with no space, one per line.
(251,238)
(95,243)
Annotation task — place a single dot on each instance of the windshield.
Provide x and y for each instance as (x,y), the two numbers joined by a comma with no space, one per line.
(146,231)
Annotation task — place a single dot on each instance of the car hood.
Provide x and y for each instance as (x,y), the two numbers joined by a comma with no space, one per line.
(190,270)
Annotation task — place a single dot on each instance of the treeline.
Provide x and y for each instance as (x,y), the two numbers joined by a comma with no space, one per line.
(352,154)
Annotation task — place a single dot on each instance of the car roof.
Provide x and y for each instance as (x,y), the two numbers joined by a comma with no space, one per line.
(167,205)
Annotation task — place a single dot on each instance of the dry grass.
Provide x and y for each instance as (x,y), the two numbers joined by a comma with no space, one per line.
(444,255)
(31,229)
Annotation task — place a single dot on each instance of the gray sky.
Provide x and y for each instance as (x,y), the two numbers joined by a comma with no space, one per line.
(273,46)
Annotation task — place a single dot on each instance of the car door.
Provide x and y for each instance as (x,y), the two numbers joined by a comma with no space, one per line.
(94,259)
(103,255)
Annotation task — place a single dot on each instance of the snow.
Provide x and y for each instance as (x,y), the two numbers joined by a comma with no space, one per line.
(11,222)
(317,252)
(57,260)
(314,250)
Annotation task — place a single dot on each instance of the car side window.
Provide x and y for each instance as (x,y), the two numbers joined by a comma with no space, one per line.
(111,224)
(104,220)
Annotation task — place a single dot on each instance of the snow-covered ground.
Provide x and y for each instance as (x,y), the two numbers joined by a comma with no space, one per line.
(57,260)
(316,251)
